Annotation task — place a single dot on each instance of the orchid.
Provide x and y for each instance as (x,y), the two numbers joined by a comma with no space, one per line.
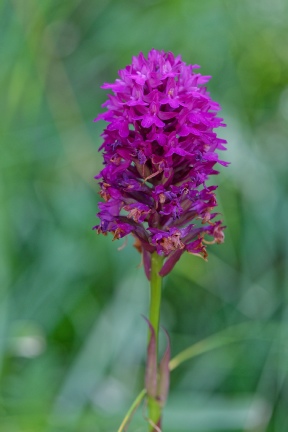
(159,150)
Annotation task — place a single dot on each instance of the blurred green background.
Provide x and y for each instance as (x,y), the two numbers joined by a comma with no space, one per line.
(72,341)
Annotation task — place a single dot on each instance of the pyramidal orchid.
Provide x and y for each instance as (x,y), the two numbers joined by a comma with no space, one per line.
(159,150)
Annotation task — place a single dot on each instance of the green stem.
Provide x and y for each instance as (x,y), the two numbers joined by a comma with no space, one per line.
(154,408)
(155,294)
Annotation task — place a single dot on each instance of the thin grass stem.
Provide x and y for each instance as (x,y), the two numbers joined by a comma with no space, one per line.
(132,410)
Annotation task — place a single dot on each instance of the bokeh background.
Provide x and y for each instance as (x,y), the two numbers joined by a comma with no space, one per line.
(72,340)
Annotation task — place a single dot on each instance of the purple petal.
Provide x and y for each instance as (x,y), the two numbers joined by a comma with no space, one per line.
(167,115)
(147,121)
(158,122)
(177,150)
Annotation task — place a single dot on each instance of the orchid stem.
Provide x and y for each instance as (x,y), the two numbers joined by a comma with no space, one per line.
(154,408)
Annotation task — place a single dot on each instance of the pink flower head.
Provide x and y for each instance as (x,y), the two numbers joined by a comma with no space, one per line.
(159,150)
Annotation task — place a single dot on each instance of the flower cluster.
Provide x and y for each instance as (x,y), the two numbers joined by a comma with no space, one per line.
(159,151)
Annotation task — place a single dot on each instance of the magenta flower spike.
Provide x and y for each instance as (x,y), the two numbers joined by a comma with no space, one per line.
(159,151)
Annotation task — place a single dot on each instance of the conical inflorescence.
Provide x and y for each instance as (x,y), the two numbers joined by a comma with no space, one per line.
(159,150)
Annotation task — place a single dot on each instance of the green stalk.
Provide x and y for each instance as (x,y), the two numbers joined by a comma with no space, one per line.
(154,408)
